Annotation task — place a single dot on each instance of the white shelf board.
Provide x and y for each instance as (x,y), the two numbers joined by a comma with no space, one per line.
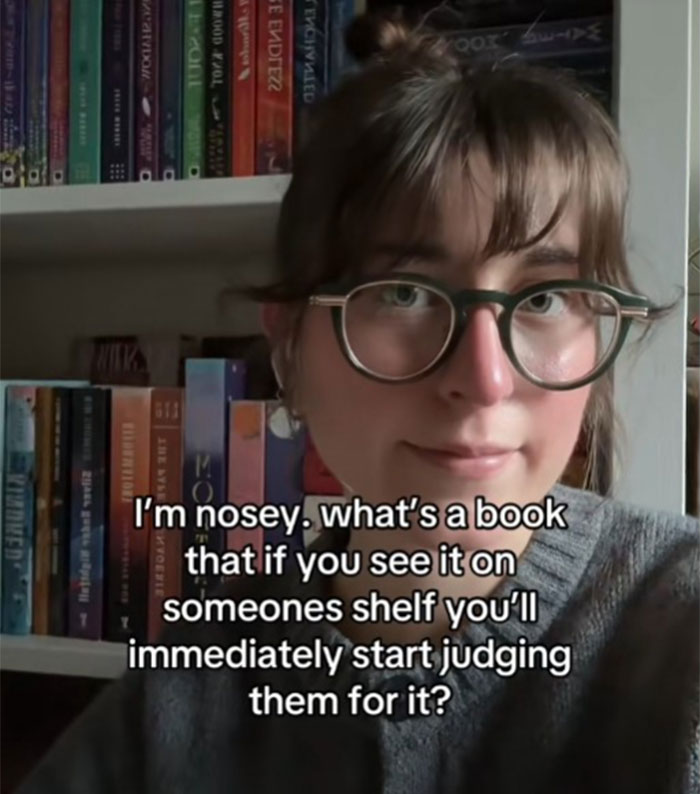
(213,218)
(62,656)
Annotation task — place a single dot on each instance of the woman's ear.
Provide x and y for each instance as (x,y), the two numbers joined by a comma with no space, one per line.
(273,317)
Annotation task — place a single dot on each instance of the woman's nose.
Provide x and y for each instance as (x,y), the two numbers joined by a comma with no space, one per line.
(478,369)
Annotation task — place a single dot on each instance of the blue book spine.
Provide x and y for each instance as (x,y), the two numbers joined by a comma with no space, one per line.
(18,505)
(12,91)
(90,409)
(117,91)
(310,60)
(210,385)
(170,128)
(285,446)
(339,59)
(37,100)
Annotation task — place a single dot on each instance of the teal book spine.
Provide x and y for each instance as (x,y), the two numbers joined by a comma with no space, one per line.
(193,93)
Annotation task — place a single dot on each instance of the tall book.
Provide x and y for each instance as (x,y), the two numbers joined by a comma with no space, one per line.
(147,94)
(129,476)
(85,91)
(311,19)
(246,469)
(90,431)
(285,445)
(44,451)
(117,91)
(38,18)
(194,79)
(18,506)
(243,87)
(12,80)
(165,549)
(274,110)
(217,150)
(59,74)
(339,59)
(170,126)
(210,386)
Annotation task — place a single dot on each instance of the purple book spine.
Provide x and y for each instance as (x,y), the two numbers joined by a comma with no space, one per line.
(12,91)
(147,84)
(37,100)
(170,135)
(210,386)
(117,88)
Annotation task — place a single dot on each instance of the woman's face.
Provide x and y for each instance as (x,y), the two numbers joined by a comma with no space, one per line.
(379,439)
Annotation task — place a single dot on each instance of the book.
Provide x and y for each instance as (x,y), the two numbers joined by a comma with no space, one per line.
(117,91)
(194,79)
(217,151)
(170,127)
(339,59)
(210,385)
(44,451)
(18,507)
(127,546)
(12,80)
(59,86)
(89,461)
(246,469)
(165,545)
(243,73)
(38,18)
(274,108)
(85,91)
(311,51)
(147,84)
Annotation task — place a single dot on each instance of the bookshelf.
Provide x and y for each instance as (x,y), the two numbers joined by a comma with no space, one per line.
(144,258)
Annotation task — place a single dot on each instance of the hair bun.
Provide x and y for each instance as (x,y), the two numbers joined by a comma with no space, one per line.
(373,35)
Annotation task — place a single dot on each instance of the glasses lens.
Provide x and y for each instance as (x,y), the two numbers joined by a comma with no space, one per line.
(396,329)
(562,336)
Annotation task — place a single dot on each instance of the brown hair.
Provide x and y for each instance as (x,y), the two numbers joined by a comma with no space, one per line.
(398,130)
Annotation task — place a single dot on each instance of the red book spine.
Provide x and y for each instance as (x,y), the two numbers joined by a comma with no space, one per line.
(165,551)
(243,87)
(59,51)
(274,87)
(147,98)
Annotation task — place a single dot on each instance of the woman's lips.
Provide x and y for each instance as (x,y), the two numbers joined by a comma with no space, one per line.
(472,462)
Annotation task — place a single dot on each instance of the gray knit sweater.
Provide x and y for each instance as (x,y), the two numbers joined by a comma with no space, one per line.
(620,585)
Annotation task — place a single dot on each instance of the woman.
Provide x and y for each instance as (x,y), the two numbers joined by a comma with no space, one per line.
(453,294)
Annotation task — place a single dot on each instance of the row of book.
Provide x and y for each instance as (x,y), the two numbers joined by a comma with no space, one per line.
(75,562)
(142,90)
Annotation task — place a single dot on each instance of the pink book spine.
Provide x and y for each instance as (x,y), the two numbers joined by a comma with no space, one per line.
(246,468)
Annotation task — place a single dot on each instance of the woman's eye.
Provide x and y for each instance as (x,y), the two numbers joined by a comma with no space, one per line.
(545,303)
(405,296)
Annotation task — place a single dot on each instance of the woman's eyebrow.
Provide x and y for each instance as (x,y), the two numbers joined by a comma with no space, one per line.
(426,251)
(550,255)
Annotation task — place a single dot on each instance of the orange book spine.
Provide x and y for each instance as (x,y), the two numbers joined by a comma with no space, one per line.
(246,469)
(165,551)
(42,541)
(243,87)
(128,546)
(274,87)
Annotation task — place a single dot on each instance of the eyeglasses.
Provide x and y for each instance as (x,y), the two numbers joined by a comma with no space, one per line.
(558,334)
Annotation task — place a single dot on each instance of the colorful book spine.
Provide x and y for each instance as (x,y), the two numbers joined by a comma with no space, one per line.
(310,61)
(165,549)
(85,91)
(59,87)
(285,444)
(217,152)
(274,110)
(210,385)
(38,18)
(60,512)
(129,476)
(18,506)
(243,87)
(339,60)
(194,78)
(147,94)
(90,431)
(117,88)
(170,127)
(12,80)
(44,418)
(246,469)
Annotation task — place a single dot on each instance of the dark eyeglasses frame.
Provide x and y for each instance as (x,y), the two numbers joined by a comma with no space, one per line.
(336,295)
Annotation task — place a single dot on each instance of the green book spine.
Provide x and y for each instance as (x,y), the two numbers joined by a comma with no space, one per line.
(85,93)
(193,100)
